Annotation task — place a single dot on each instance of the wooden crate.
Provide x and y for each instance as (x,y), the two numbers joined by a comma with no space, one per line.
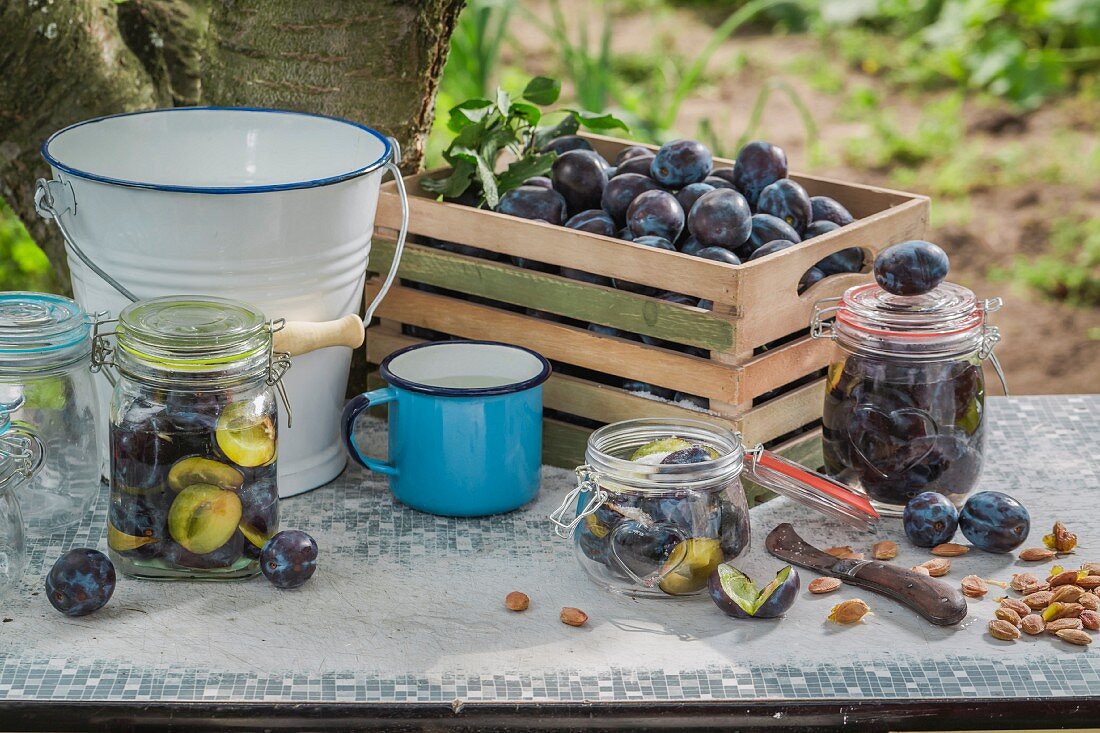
(755,305)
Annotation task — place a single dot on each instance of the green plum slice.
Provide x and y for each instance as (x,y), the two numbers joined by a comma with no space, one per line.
(737,594)
(198,470)
(245,437)
(690,565)
(122,543)
(203,517)
(662,446)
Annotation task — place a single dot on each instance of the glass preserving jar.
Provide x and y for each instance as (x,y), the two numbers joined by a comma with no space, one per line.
(905,403)
(193,438)
(21,457)
(656,530)
(46,382)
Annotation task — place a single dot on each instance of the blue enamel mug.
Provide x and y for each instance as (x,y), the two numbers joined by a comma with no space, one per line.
(465,426)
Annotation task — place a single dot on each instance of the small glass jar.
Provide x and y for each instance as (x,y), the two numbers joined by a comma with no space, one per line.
(21,457)
(46,382)
(193,436)
(655,530)
(905,404)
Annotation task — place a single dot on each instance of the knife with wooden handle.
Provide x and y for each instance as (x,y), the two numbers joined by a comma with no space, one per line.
(939,602)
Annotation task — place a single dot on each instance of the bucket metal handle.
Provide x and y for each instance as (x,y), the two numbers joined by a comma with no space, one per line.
(53,198)
(392,166)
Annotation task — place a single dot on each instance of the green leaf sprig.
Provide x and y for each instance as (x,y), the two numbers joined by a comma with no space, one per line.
(486,128)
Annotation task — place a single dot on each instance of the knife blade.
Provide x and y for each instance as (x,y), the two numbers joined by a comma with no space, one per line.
(938,602)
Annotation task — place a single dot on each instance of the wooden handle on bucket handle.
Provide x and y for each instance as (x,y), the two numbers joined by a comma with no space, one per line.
(301,337)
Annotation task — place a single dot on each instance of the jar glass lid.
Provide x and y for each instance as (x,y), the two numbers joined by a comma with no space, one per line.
(194,333)
(38,324)
(946,321)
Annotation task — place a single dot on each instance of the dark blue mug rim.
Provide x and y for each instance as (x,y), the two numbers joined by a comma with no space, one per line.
(512,388)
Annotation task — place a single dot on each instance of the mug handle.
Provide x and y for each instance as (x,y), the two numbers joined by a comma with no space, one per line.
(352,410)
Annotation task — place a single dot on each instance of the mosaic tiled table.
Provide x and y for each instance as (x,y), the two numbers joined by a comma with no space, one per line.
(404,625)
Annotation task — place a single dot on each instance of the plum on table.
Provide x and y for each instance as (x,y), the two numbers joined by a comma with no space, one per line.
(994,521)
(720,218)
(681,162)
(788,201)
(759,164)
(289,559)
(930,519)
(80,582)
(737,595)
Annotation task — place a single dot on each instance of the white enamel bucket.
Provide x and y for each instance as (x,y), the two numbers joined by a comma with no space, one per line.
(271,207)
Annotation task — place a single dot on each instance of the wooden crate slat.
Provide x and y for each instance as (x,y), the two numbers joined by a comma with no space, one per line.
(542,242)
(576,346)
(783,414)
(563,444)
(775,367)
(554,294)
(609,404)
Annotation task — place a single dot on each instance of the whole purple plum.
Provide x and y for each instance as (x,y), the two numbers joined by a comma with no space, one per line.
(534,202)
(680,163)
(579,176)
(621,191)
(911,268)
(788,201)
(759,164)
(657,214)
(721,218)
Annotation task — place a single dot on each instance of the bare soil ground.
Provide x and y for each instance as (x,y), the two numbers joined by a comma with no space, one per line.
(1047,346)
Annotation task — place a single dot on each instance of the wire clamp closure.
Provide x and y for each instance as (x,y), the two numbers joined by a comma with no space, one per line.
(587,483)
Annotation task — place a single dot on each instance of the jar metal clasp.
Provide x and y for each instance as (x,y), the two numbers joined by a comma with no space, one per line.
(278,363)
(587,482)
(823,309)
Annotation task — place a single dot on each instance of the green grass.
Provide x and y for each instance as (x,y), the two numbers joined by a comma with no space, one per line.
(1069,269)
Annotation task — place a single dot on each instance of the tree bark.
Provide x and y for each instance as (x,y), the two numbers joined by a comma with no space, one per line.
(374,61)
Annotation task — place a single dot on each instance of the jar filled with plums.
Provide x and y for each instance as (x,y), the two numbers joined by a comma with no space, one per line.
(660,504)
(904,405)
(193,438)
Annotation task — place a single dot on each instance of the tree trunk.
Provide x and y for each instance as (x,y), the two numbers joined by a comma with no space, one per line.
(374,61)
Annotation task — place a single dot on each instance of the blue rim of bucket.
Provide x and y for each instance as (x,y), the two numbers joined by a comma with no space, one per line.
(387,153)
(512,388)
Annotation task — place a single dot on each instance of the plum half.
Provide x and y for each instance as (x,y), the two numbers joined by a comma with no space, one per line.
(735,592)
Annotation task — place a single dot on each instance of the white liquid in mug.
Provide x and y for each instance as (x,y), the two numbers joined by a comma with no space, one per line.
(467,381)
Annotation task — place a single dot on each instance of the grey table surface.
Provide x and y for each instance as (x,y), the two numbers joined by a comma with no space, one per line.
(408,607)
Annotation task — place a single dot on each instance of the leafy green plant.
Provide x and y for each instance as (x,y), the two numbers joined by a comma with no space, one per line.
(486,129)
(651,104)
(1069,270)
(23,266)
(1023,50)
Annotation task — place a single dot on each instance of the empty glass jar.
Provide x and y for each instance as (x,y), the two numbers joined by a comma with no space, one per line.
(21,457)
(193,438)
(905,402)
(46,382)
(659,530)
